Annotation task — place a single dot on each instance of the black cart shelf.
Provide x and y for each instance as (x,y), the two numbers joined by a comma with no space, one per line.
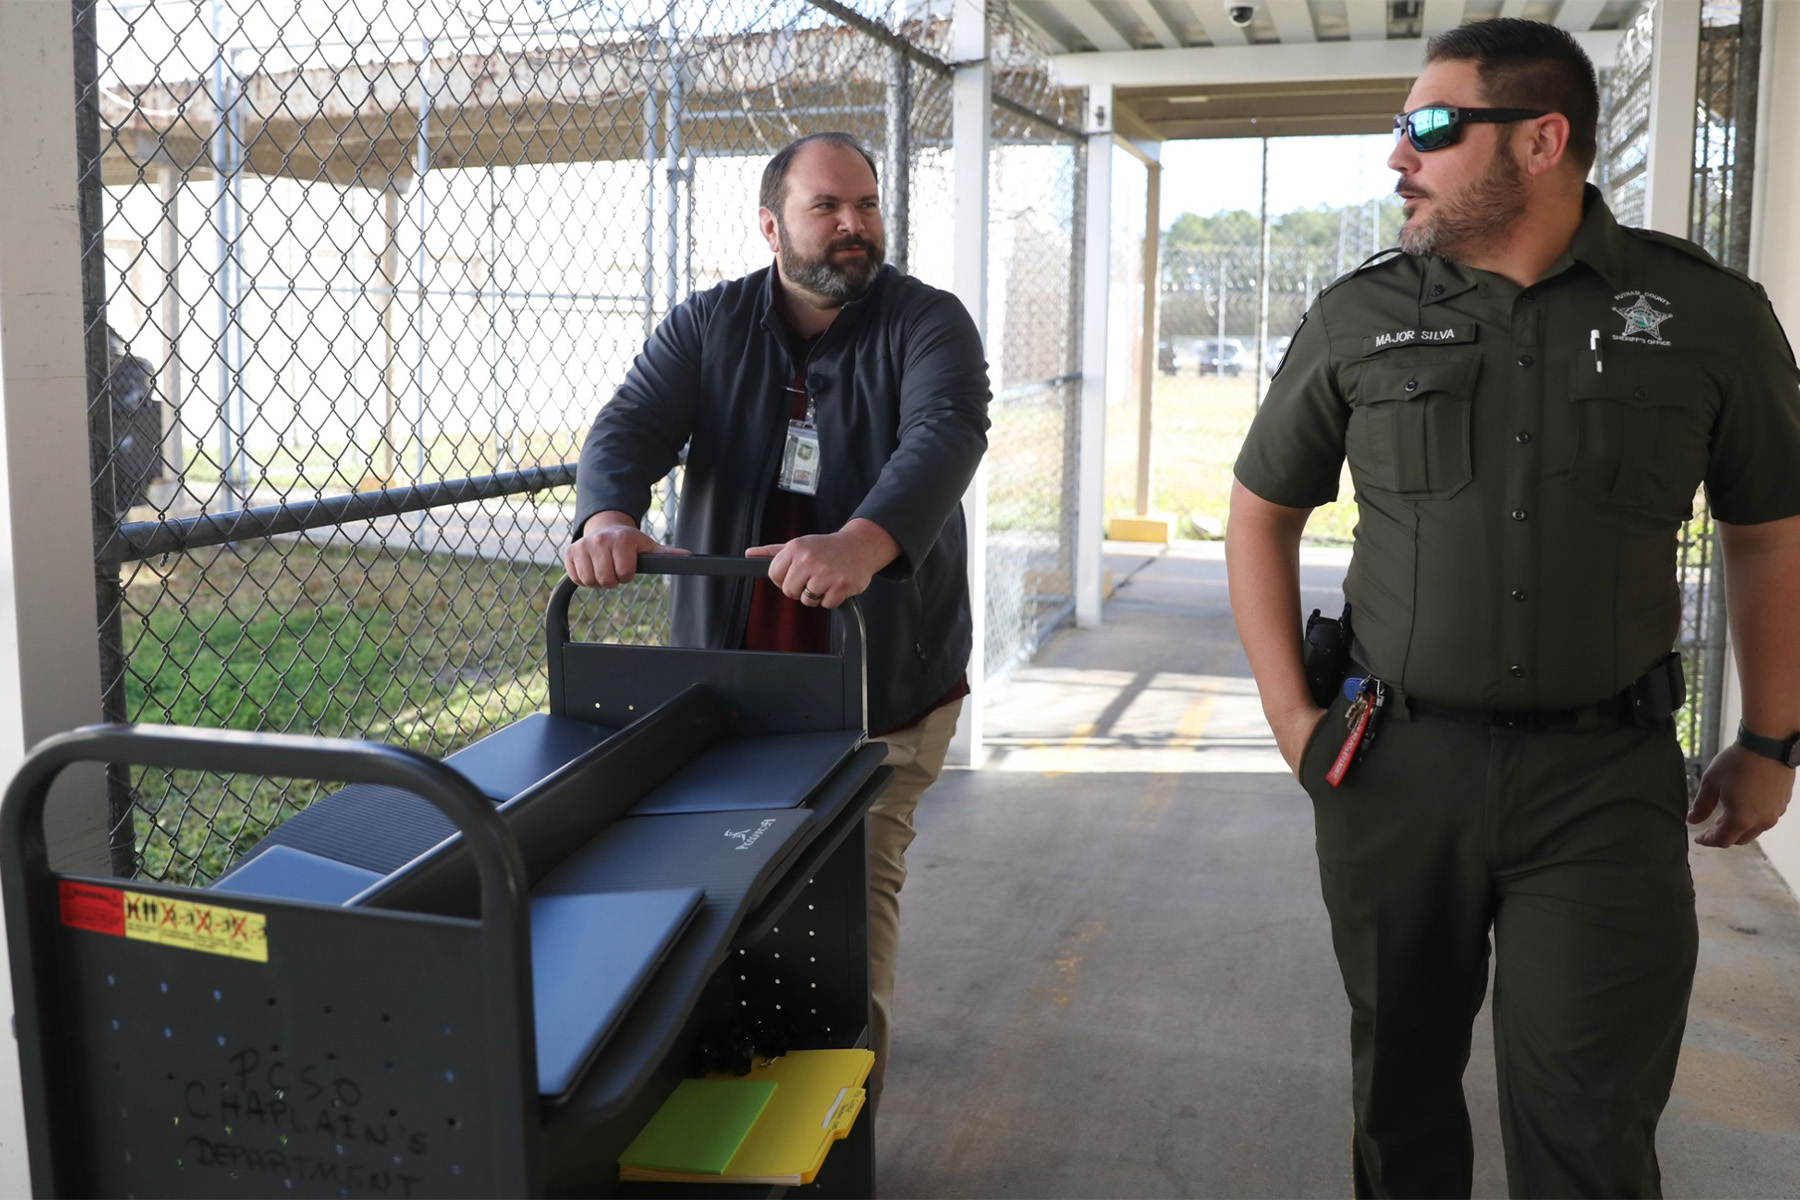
(226,1041)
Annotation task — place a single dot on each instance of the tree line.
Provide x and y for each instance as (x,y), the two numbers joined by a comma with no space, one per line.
(1211,264)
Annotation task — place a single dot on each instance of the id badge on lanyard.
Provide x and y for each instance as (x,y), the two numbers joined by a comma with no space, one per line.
(800,456)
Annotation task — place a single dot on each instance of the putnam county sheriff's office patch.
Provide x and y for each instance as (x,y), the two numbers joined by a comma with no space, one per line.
(1643,320)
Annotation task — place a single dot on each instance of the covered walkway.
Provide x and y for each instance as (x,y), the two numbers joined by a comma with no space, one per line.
(1116,977)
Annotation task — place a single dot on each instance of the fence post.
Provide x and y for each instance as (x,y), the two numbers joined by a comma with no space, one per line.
(971,92)
(897,156)
(173,451)
(1262,276)
(1096,278)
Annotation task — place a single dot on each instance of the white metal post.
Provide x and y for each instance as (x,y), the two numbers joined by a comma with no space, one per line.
(971,116)
(1149,358)
(1674,66)
(49,643)
(1096,279)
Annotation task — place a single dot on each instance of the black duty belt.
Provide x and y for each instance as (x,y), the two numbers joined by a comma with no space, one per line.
(1647,701)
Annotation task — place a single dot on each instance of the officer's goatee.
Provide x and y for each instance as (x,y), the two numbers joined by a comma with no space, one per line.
(1479,212)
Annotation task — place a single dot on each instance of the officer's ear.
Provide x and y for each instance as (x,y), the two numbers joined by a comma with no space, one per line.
(1544,143)
(771,228)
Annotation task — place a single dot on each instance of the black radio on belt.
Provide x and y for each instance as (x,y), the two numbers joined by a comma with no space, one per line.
(1325,656)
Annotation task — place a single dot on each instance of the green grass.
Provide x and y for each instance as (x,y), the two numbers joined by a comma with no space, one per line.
(430,652)
(1198,424)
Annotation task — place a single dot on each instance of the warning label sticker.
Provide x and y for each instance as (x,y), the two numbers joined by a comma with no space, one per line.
(99,909)
(204,927)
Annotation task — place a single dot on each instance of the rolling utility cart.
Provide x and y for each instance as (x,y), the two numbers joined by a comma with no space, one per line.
(478,976)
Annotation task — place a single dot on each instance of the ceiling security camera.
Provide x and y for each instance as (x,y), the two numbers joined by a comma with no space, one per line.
(1241,14)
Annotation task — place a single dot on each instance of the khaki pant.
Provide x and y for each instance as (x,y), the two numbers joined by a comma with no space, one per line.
(917,756)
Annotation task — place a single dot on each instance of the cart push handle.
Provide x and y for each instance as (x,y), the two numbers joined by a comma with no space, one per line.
(846,619)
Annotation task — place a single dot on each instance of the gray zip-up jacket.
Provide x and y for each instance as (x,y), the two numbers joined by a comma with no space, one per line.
(901,392)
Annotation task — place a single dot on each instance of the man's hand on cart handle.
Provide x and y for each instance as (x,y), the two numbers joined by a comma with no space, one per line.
(826,569)
(606,554)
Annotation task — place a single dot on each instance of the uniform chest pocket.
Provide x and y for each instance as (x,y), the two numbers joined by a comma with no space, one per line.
(1641,434)
(1409,427)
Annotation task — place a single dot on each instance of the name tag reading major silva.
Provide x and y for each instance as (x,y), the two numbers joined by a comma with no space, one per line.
(800,460)
(1417,337)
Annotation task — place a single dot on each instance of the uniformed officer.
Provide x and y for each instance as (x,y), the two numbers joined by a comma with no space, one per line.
(1528,396)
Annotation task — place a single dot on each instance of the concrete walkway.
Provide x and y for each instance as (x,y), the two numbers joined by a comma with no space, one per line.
(1116,975)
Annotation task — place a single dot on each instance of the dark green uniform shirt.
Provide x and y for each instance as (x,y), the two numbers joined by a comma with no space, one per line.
(1524,457)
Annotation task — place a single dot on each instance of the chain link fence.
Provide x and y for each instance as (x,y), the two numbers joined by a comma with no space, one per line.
(1033,327)
(357,276)
(1219,297)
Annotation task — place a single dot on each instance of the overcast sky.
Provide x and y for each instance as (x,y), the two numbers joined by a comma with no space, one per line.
(1206,177)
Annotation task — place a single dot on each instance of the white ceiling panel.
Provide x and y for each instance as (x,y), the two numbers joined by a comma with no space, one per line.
(1368,20)
(1153,21)
(1092,24)
(1292,20)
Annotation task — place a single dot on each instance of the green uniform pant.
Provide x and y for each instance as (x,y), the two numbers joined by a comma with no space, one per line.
(1571,848)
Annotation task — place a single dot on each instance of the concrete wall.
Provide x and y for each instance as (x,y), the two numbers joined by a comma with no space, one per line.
(1776,251)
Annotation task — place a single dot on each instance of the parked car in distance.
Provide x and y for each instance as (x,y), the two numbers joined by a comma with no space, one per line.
(1165,358)
(1222,356)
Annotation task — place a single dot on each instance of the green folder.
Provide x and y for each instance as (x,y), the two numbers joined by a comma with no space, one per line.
(700,1126)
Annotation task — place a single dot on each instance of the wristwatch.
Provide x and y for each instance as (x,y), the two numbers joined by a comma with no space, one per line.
(1785,751)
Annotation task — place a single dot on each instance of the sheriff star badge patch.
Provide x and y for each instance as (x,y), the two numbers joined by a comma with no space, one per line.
(1643,320)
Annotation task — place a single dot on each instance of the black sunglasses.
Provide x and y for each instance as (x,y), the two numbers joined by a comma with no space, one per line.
(1435,127)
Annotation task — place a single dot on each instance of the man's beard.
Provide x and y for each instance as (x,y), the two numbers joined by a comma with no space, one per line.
(1480,213)
(826,278)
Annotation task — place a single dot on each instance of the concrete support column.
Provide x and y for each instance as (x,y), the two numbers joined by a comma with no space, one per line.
(971,97)
(49,648)
(1096,279)
(1674,64)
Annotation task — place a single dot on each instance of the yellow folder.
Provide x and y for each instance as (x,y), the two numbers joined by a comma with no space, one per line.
(818,1094)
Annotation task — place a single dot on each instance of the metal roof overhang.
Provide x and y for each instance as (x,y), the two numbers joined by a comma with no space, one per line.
(1293,84)
(358,124)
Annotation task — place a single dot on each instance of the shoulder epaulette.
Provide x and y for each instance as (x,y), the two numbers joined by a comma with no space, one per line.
(1374,260)
(1692,250)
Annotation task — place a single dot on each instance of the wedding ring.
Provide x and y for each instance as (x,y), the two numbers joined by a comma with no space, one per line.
(809,594)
